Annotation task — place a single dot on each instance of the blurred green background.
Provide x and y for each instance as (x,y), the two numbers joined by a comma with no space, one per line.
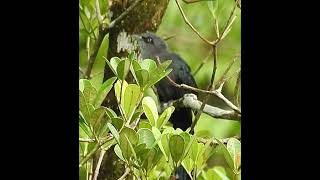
(194,51)
(189,46)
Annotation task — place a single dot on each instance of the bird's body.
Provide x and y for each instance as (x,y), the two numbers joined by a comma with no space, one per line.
(151,47)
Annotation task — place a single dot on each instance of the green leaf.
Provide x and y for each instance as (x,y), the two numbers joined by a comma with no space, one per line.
(158,137)
(83,107)
(106,146)
(113,64)
(165,116)
(194,151)
(176,144)
(216,173)
(89,91)
(130,99)
(165,65)
(126,146)
(96,118)
(188,142)
(103,91)
(135,116)
(141,150)
(165,145)
(146,137)
(117,88)
(110,113)
(117,122)
(118,152)
(200,160)
(187,163)
(234,148)
(147,163)
(157,76)
(226,154)
(148,64)
(136,66)
(104,5)
(81,86)
(144,124)
(123,68)
(84,127)
(114,132)
(131,134)
(142,77)
(150,110)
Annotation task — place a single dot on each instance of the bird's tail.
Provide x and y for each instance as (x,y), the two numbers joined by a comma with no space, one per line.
(182,118)
(182,174)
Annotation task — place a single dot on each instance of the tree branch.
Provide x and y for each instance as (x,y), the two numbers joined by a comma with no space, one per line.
(125,174)
(190,25)
(96,172)
(212,92)
(191,101)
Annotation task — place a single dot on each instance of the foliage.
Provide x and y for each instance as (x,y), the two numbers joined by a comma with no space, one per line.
(141,137)
(149,147)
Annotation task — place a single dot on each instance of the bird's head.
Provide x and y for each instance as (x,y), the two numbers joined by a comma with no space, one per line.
(150,45)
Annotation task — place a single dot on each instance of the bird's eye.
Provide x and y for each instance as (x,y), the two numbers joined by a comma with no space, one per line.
(147,39)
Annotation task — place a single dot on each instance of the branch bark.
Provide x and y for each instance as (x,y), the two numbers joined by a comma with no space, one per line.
(191,101)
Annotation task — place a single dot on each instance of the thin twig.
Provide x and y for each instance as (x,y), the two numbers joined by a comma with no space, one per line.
(224,75)
(211,92)
(214,69)
(81,71)
(190,25)
(202,63)
(236,90)
(96,172)
(191,101)
(227,25)
(211,87)
(169,37)
(86,140)
(98,13)
(125,174)
(94,150)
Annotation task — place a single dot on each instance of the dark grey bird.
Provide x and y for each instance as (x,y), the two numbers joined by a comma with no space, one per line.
(152,46)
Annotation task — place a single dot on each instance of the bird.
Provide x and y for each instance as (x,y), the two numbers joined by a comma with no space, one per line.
(152,46)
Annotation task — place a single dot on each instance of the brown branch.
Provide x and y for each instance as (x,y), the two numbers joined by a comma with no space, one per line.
(86,140)
(224,75)
(98,13)
(191,101)
(202,63)
(236,90)
(190,25)
(213,92)
(227,25)
(125,174)
(211,87)
(94,150)
(224,141)
(96,172)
